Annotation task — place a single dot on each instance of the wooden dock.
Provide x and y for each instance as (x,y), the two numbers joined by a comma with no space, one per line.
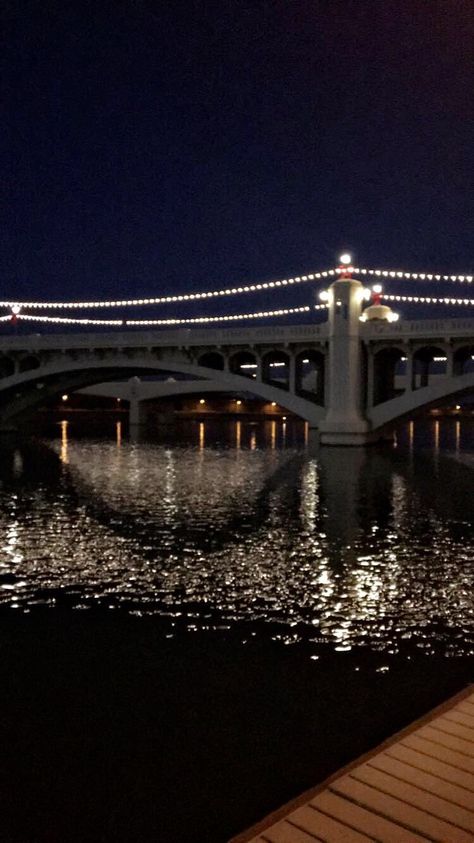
(417,786)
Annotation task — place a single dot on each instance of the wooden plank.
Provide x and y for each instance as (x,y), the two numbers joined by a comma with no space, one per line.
(440,736)
(284,832)
(417,786)
(460,717)
(441,788)
(456,729)
(374,826)
(399,811)
(437,750)
(415,796)
(430,764)
(466,707)
(317,822)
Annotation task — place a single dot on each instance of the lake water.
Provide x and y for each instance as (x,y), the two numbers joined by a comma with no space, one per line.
(199,625)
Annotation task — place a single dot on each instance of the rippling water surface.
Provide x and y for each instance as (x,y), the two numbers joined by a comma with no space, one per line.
(199,626)
(249,525)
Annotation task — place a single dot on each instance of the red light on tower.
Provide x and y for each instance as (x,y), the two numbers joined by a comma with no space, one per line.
(377,294)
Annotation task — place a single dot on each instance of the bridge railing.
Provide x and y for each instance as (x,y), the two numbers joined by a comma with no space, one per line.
(426,327)
(181,337)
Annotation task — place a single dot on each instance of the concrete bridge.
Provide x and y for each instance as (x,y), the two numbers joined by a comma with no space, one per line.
(350,379)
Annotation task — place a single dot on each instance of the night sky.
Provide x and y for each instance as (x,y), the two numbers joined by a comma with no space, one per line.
(150,148)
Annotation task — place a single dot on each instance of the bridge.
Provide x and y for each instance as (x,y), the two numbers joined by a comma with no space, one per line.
(352,376)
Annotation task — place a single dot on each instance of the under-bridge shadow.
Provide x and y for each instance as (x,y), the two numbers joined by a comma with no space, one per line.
(210,537)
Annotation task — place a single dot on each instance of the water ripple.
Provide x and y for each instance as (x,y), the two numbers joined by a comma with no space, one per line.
(341,549)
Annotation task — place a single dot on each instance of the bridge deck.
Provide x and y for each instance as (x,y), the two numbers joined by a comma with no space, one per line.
(418,786)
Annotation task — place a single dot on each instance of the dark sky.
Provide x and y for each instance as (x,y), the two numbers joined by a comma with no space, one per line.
(151,147)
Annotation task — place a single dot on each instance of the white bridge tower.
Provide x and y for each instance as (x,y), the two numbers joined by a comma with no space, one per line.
(345,422)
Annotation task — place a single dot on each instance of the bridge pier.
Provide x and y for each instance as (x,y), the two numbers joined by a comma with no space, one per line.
(136,412)
(345,422)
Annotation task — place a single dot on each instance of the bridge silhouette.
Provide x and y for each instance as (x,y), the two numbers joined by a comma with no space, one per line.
(352,377)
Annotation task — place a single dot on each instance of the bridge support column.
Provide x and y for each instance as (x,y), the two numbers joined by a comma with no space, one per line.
(449,362)
(410,372)
(370,378)
(344,423)
(425,372)
(292,375)
(136,413)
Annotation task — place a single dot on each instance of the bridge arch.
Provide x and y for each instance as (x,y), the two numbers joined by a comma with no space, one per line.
(22,392)
(28,362)
(463,360)
(276,369)
(388,363)
(310,367)
(7,366)
(244,363)
(426,360)
(413,401)
(212,360)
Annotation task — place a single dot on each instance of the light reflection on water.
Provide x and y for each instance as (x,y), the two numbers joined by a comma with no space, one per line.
(337,547)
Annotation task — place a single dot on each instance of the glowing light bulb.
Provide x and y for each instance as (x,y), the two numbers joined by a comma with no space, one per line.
(16,309)
(345,259)
(324,295)
(202,400)
(64,397)
(377,288)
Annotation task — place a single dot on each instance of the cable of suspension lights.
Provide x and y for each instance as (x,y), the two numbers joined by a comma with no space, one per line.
(203,320)
(195,320)
(172,299)
(231,291)
(426,299)
(417,276)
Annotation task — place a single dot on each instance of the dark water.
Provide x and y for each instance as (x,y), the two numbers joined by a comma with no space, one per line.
(198,626)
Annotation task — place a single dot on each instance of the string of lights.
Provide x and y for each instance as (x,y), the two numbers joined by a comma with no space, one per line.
(426,299)
(346,269)
(169,299)
(421,276)
(196,320)
(64,320)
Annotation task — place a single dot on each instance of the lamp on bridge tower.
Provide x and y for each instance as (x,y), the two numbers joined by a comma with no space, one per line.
(376,309)
(344,423)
